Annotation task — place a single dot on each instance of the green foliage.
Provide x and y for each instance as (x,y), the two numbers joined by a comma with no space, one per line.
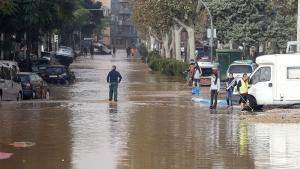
(143,50)
(166,66)
(254,21)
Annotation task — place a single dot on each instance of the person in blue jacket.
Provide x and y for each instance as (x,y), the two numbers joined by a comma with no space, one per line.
(113,78)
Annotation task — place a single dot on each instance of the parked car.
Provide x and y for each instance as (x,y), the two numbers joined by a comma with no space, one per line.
(207,69)
(39,66)
(34,87)
(65,55)
(276,81)
(58,74)
(100,48)
(10,86)
(239,67)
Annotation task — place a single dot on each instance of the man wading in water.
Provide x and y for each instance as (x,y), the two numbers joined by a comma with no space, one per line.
(113,78)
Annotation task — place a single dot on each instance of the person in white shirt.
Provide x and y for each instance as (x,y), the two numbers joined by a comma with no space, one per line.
(214,90)
(196,76)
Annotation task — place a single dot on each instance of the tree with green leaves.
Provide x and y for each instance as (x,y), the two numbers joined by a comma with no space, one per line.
(255,22)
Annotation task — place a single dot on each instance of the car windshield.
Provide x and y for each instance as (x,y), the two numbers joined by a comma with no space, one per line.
(240,69)
(55,70)
(24,78)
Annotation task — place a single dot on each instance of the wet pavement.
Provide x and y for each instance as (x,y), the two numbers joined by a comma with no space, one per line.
(155,125)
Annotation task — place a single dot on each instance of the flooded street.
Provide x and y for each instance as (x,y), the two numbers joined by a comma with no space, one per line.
(154,125)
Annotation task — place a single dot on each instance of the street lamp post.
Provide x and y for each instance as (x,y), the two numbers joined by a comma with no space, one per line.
(212,31)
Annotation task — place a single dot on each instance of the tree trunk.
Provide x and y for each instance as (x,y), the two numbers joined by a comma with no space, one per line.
(162,51)
(191,41)
(166,46)
(152,43)
(191,37)
(177,40)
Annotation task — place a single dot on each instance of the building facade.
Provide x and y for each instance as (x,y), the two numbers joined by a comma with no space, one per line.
(106,37)
(123,33)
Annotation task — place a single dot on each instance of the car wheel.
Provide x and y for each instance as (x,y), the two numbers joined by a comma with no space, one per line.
(19,97)
(47,96)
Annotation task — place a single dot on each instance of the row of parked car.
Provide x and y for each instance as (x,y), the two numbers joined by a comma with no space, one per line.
(16,85)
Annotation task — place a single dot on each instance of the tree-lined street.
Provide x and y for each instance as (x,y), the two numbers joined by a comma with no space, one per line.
(209,84)
(154,125)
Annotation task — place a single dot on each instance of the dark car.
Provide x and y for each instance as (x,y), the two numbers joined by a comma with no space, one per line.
(34,87)
(58,74)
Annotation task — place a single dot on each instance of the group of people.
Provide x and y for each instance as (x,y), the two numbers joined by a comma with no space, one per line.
(215,86)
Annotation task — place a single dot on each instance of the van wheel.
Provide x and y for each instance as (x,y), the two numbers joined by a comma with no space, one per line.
(253,103)
(19,97)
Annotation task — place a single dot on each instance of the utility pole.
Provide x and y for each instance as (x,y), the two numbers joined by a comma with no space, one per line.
(211,33)
(298,28)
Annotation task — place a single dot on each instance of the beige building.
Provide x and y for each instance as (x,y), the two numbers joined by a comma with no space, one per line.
(106,6)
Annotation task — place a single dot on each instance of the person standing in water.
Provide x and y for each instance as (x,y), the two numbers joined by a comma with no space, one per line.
(230,83)
(113,78)
(214,90)
(196,75)
(114,51)
(242,88)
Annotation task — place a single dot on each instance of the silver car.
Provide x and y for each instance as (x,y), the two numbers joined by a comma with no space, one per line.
(10,86)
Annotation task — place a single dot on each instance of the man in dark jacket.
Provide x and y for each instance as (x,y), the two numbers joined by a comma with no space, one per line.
(113,78)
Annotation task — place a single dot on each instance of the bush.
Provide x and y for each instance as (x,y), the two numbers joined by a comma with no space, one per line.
(166,66)
(143,50)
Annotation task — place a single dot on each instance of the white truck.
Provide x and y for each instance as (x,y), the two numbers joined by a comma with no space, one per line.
(276,81)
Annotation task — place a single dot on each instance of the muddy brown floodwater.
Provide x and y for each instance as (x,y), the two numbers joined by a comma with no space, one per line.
(153,126)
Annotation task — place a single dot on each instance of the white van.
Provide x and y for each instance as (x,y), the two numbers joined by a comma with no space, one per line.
(10,86)
(276,81)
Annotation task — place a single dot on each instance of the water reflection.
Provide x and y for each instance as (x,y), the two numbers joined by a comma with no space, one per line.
(44,124)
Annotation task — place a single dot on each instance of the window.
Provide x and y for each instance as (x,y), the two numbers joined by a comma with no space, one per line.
(261,75)
(38,78)
(206,71)
(240,69)
(1,73)
(14,74)
(32,77)
(293,72)
(6,73)
(25,78)
(255,77)
(265,75)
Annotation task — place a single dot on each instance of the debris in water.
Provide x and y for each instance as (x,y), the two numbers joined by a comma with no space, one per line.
(4,156)
(22,144)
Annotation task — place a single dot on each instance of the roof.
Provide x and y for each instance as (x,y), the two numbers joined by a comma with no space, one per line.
(243,62)
(8,62)
(290,59)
